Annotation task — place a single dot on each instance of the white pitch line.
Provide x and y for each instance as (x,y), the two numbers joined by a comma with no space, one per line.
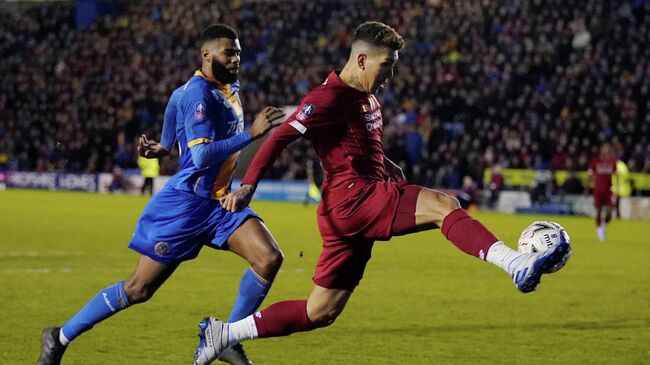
(40,253)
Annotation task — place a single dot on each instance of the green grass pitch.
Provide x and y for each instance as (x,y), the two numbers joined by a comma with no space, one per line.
(422,301)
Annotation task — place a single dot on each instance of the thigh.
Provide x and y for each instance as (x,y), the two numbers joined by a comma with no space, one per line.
(421,209)
(252,240)
(342,263)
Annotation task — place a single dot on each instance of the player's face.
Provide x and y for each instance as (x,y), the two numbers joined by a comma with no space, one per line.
(380,68)
(605,151)
(224,56)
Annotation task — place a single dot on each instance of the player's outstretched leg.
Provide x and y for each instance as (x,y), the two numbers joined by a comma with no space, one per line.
(146,279)
(435,208)
(279,319)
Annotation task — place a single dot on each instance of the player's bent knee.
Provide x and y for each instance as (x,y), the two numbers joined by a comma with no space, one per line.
(434,205)
(449,203)
(269,264)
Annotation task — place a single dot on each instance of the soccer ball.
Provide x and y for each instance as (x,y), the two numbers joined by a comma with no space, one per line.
(542,235)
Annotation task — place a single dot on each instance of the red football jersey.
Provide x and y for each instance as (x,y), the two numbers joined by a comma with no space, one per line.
(345,128)
(602,169)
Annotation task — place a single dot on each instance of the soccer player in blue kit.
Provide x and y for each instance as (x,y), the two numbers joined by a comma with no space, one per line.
(186,214)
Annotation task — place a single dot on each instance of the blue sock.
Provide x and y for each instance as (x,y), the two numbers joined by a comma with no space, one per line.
(252,291)
(107,302)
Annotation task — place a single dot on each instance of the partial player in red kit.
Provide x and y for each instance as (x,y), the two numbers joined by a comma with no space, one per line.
(365,198)
(601,170)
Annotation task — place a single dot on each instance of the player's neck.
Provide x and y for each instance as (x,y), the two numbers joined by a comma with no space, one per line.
(351,79)
(207,72)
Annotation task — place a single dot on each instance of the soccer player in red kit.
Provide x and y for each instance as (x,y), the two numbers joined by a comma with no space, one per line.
(364,198)
(601,170)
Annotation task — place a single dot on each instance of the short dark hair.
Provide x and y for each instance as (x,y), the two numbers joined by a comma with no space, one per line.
(217,31)
(379,35)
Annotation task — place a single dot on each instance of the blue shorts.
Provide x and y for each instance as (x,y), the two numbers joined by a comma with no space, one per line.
(176,224)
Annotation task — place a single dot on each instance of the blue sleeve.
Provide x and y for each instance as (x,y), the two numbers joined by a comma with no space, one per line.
(200,128)
(206,154)
(169,122)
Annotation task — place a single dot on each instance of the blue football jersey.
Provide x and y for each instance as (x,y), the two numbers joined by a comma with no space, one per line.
(206,111)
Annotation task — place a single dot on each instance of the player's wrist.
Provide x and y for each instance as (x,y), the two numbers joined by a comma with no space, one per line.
(249,188)
(254,133)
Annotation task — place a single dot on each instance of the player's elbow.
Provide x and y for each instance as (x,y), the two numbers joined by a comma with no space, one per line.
(200,156)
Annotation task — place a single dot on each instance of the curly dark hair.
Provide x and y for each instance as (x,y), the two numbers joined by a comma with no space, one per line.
(217,31)
(379,35)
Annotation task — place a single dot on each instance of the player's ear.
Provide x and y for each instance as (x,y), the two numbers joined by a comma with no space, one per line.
(205,54)
(362,58)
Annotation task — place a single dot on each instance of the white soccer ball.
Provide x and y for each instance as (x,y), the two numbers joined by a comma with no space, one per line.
(541,236)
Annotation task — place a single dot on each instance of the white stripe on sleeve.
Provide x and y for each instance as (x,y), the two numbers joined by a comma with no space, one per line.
(299,127)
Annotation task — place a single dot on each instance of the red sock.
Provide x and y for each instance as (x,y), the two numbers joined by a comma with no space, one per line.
(467,233)
(282,319)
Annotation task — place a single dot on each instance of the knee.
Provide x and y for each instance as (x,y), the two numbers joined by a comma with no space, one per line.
(448,203)
(437,205)
(268,264)
(138,292)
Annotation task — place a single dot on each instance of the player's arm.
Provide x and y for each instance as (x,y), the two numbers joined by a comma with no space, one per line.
(393,170)
(208,152)
(151,149)
(306,120)
(263,160)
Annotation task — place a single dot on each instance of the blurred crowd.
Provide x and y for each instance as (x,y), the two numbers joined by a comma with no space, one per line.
(522,84)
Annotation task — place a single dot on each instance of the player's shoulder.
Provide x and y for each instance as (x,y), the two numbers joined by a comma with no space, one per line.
(198,89)
(324,96)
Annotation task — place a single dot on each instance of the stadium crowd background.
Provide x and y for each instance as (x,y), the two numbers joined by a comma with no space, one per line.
(523,84)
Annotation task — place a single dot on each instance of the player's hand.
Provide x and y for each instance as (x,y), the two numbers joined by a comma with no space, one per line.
(266,120)
(237,200)
(150,148)
(395,173)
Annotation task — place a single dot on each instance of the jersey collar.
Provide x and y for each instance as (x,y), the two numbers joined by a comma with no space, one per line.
(231,88)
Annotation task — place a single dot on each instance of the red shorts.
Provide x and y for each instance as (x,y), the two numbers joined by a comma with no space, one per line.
(603,198)
(374,211)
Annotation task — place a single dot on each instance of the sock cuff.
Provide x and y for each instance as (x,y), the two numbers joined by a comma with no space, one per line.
(451,219)
(124,299)
(258,278)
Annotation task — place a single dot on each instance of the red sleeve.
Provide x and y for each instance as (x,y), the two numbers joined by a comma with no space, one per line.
(313,113)
(269,152)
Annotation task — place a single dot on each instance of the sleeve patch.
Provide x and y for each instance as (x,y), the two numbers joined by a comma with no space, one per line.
(298,126)
(307,110)
(199,111)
